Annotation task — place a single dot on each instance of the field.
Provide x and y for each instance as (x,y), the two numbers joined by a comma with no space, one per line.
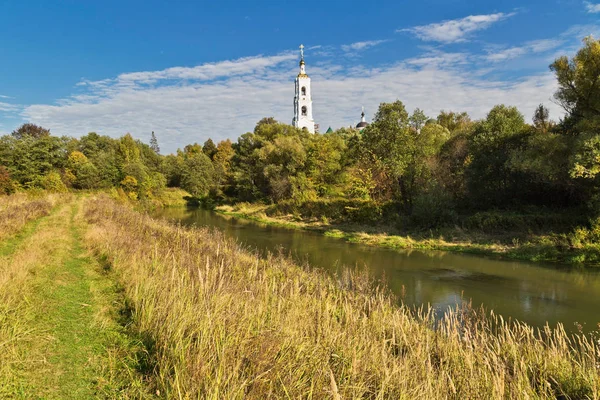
(99,300)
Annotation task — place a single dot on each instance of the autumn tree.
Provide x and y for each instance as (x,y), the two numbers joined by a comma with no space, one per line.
(30,130)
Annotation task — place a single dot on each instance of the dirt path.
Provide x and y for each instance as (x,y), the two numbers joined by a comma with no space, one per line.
(75,345)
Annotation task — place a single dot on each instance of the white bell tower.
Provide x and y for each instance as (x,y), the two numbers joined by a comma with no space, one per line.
(303,117)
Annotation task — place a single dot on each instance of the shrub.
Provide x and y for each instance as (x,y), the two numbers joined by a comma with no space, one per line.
(52,182)
(433,209)
(129,184)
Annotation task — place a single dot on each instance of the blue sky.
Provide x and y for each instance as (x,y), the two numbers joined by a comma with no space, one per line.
(190,70)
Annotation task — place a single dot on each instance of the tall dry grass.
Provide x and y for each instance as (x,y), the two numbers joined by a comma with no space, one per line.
(220,322)
(18,209)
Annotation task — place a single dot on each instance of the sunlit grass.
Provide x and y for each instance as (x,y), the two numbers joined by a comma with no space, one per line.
(220,322)
(60,335)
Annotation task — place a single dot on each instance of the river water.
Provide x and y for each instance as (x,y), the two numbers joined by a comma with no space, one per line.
(534,293)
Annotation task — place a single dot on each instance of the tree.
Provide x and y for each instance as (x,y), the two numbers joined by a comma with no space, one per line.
(30,130)
(579,85)
(389,146)
(30,158)
(86,174)
(541,119)
(222,162)
(283,162)
(453,121)
(154,143)
(490,179)
(209,148)
(418,119)
(197,174)
(52,182)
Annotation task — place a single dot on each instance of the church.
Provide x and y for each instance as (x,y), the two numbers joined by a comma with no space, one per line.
(303,116)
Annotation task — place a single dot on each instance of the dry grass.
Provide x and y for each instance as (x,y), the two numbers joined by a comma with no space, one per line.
(36,249)
(222,323)
(18,209)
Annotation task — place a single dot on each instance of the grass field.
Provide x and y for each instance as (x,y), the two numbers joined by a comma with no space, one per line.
(100,301)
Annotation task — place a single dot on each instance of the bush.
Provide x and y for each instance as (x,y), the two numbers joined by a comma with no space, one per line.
(52,182)
(433,209)
(493,221)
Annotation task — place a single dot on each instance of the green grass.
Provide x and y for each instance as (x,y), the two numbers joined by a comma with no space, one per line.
(72,342)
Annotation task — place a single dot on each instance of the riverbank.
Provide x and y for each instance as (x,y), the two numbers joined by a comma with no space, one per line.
(524,246)
(99,300)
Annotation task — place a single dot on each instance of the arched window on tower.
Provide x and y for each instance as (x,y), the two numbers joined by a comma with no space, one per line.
(303,90)
(303,110)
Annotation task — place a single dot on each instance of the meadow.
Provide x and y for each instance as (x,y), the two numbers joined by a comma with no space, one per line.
(136,307)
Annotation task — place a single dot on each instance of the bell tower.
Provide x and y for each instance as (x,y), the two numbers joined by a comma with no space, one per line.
(303,117)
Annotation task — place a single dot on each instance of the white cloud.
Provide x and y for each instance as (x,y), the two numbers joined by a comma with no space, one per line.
(456,30)
(592,8)
(6,107)
(362,45)
(535,46)
(186,105)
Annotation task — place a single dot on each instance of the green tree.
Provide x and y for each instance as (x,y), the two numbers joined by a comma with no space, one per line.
(52,182)
(454,121)
(154,143)
(86,174)
(209,148)
(283,162)
(28,159)
(418,119)
(222,163)
(491,181)
(389,145)
(579,85)
(197,174)
(541,119)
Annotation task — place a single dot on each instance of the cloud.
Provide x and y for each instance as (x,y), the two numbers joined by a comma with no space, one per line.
(592,8)
(225,99)
(535,46)
(362,45)
(6,107)
(456,30)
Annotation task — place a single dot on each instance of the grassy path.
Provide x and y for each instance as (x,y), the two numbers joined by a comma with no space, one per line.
(75,347)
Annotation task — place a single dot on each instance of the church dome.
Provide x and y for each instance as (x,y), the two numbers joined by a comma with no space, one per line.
(363,122)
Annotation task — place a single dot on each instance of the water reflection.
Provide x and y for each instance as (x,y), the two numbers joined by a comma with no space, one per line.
(524,291)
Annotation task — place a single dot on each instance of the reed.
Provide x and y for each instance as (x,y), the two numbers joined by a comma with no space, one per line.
(220,322)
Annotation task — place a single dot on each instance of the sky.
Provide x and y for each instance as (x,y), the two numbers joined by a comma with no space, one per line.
(190,70)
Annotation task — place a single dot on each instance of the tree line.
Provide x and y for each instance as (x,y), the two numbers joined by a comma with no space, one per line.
(429,168)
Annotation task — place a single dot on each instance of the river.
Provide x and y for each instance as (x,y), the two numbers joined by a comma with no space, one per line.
(534,293)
